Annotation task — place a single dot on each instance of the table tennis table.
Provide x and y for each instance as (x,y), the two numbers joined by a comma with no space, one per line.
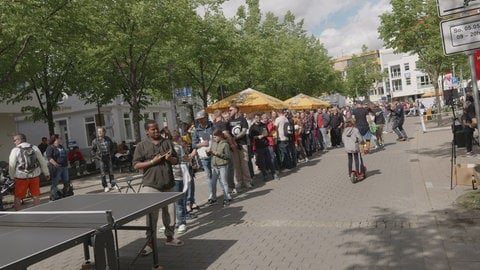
(42,231)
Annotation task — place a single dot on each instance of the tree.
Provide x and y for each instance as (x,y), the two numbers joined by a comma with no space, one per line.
(133,41)
(413,27)
(211,51)
(46,63)
(362,73)
(278,56)
(14,37)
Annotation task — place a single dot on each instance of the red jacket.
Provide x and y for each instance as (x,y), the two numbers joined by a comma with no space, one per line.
(75,155)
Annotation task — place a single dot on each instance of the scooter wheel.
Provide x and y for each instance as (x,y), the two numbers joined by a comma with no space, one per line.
(353,178)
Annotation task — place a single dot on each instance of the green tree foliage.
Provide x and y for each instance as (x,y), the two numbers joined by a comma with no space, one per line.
(138,50)
(45,64)
(211,51)
(279,58)
(362,74)
(14,36)
(413,27)
(132,42)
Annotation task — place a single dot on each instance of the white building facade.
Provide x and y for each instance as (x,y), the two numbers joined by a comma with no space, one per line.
(404,81)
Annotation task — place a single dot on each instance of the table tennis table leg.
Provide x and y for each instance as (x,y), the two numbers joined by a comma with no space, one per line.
(153,228)
(104,250)
(152,240)
(86,253)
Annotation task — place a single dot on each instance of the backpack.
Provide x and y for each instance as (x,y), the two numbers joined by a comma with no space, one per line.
(27,160)
(288,128)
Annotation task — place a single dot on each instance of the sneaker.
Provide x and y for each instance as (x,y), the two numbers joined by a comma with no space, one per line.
(470,153)
(306,159)
(115,187)
(234,191)
(106,189)
(182,228)
(211,201)
(276,176)
(161,229)
(248,185)
(147,250)
(174,242)
(227,202)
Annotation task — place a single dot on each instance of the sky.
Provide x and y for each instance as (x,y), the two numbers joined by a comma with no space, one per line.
(341,26)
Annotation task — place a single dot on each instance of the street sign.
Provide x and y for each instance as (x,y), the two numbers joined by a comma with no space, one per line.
(449,7)
(183,92)
(461,34)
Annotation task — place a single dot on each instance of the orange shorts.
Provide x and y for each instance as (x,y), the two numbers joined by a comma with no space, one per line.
(24,184)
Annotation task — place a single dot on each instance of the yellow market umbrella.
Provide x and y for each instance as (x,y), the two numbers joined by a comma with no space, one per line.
(305,102)
(248,100)
(430,94)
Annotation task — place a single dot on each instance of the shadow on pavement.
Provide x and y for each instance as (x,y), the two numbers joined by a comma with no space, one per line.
(193,255)
(396,241)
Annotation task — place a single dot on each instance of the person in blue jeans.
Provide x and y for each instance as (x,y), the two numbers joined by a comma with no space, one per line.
(58,167)
(220,152)
(181,174)
(201,141)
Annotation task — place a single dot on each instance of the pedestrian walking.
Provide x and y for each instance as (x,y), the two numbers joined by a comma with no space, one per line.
(103,150)
(398,118)
(25,164)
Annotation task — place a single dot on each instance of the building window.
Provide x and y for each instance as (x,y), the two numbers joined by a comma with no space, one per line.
(397,85)
(381,91)
(164,119)
(90,129)
(406,66)
(423,81)
(408,81)
(387,86)
(395,71)
(128,126)
(155,116)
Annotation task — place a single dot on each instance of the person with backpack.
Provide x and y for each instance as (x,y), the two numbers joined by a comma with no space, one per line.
(26,163)
(103,149)
(57,159)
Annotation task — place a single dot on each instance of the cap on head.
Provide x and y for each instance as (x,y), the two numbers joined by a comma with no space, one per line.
(200,114)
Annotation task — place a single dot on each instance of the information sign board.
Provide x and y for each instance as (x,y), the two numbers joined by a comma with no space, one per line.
(461,34)
(449,7)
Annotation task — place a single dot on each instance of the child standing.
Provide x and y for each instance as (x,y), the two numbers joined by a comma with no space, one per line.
(351,139)
(220,152)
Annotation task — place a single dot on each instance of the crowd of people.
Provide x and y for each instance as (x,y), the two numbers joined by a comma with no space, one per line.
(227,148)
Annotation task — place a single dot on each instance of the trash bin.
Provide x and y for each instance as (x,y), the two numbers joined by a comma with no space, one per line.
(428,115)
(459,136)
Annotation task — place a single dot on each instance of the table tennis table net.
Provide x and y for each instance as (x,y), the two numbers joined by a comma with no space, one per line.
(60,219)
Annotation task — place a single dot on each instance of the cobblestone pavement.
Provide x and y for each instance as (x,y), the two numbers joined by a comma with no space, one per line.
(400,217)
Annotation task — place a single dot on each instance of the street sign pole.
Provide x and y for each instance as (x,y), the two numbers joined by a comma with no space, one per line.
(471,60)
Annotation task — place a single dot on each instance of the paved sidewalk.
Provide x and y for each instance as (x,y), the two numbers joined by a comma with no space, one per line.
(400,217)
